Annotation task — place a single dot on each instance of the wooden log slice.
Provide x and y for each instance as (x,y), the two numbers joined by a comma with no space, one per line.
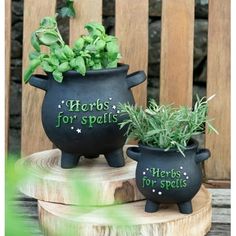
(92,182)
(127,219)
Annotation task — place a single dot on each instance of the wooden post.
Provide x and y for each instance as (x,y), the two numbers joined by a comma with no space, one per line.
(132,32)
(33,137)
(7,69)
(177,37)
(218,83)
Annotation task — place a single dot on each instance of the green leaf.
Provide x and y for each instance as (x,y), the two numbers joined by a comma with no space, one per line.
(80,65)
(57,76)
(97,66)
(91,48)
(67,12)
(112,47)
(30,70)
(79,44)
(112,64)
(33,55)
(100,45)
(46,67)
(48,23)
(95,29)
(35,42)
(60,54)
(88,39)
(49,38)
(68,51)
(64,67)
(52,60)
(73,63)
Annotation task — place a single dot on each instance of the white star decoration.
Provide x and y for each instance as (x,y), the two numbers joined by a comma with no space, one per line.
(110,99)
(59,106)
(72,127)
(78,131)
(118,112)
(114,107)
(63,101)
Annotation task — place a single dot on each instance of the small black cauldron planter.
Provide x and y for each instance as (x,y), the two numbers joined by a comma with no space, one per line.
(167,176)
(80,116)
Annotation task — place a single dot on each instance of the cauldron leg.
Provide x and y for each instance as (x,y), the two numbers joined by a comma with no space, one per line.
(115,158)
(185,207)
(151,206)
(69,160)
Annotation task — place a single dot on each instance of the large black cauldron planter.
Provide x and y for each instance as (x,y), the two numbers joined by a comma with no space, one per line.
(167,176)
(80,115)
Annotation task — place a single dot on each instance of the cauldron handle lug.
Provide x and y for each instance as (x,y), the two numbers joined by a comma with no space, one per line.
(134,153)
(39,81)
(202,155)
(135,78)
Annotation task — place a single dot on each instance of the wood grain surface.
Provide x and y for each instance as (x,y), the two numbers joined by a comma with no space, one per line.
(127,219)
(132,32)
(177,34)
(86,11)
(218,83)
(47,181)
(7,68)
(33,137)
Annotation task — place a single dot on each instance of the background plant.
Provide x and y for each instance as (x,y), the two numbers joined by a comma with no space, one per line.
(96,50)
(166,126)
(68,10)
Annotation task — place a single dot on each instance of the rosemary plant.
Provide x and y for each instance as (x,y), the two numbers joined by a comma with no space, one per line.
(166,126)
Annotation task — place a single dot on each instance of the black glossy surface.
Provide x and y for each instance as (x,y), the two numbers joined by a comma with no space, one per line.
(83,137)
(167,176)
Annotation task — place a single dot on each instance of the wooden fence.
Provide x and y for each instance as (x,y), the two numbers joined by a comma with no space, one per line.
(176,81)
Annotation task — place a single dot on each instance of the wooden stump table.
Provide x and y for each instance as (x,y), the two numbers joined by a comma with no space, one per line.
(97,200)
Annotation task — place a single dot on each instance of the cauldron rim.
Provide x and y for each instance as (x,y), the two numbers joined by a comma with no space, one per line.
(120,68)
(193,144)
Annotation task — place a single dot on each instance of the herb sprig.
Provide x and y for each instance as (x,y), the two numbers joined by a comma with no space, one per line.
(96,50)
(166,126)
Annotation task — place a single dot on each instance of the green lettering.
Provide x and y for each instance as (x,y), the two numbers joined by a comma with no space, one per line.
(74,105)
(178,174)
(105,117)
(184,183)
(153,182)
(114,118)
(173,174)
(106,106)
(155,172)
(144,181)
(59,116)
(168,185)
(85,107)
(109,117)
(99,120)
(163,174)
(65,119)
(162,184)
(99,105)
(92,105)
(173,184)
(84,120)
(92,120)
